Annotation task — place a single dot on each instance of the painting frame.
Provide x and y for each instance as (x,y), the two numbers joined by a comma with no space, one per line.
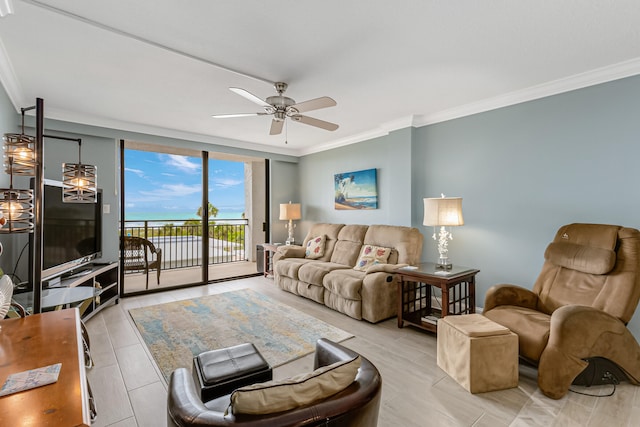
(356,190)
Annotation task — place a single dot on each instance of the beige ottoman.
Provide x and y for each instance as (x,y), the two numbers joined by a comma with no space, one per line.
(478,353)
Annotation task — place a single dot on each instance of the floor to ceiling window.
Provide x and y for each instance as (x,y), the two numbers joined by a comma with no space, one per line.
(163,226)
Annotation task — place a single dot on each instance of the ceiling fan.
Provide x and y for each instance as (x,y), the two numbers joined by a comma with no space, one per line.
(281,107)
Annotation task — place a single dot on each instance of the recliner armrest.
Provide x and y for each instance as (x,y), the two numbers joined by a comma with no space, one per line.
(184,406)
(509,295)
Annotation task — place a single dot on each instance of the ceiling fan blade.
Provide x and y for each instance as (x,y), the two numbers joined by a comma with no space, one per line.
(248,95)
(276,127)
(315,122)
(314,104)
(228,116)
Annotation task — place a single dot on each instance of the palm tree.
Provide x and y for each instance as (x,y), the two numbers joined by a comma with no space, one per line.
(211,210)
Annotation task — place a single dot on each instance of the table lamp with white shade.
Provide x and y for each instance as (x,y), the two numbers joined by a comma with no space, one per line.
(289,212)
(443,212)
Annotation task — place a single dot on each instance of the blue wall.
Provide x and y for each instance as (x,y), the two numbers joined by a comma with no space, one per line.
(525,170)
(390,155)
(522,171)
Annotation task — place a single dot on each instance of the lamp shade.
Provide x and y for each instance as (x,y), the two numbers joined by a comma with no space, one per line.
(79,183)
(290,211)
(445,211)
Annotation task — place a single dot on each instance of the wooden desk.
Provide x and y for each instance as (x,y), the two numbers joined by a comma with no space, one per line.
(36,341)
(416,296)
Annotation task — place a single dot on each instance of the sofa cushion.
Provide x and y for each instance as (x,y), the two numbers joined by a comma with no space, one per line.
(371,255)
(531,326)
(288,267)
(305,389)
(315,247)
(349,243)
(345,283)
(313,272)
(322,229)
(405,241)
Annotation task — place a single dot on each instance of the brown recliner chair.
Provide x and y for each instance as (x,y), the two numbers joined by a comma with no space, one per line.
(356,406)
(577,313)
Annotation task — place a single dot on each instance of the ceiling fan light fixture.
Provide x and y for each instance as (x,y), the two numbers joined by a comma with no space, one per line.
(281,107)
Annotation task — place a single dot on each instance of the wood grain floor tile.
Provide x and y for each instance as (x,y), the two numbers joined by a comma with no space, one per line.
(416,393)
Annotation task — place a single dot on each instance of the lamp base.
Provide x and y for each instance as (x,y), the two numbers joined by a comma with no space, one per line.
(444,264)
(290,241)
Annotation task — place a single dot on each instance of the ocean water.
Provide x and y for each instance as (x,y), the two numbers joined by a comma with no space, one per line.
(178,217)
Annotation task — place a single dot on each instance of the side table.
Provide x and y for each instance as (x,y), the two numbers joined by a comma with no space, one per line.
(269,250)
(417,304)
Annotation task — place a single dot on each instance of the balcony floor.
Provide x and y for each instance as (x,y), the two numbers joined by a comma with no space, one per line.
(135,282)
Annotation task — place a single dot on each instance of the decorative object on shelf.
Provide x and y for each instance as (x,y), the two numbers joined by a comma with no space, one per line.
(442,212)
(16,207)
(289,212)
(356,190)
(79,180)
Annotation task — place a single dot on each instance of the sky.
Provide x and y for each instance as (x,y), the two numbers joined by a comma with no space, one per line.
(159,185)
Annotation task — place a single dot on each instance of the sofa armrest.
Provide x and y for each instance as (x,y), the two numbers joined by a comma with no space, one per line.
(509,295)
(289,251)
(385,268)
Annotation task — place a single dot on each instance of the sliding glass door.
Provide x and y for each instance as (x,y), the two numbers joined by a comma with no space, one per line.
(185,217)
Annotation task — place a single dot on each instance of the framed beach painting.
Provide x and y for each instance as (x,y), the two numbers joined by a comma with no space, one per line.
(356,190)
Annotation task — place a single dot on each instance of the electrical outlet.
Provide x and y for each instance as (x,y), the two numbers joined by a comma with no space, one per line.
(106,208)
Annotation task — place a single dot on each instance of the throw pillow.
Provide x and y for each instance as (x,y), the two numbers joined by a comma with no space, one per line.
(304,389)
(371,255)
(315,247)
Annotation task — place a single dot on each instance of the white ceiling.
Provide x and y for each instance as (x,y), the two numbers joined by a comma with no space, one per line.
(164,67)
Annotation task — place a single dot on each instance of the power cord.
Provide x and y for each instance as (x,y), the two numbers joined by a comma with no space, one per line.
(607,378)
(14,276)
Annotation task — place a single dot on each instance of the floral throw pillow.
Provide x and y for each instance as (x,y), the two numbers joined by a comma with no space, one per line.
(371,255)
(315,247)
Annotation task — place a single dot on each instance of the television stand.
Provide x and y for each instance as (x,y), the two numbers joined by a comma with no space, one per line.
(79,273)
(104,279)
(90,292)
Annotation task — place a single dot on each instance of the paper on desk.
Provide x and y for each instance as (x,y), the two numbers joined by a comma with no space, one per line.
(33,378)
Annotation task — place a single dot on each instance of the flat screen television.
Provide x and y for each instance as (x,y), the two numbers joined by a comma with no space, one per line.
(72,232)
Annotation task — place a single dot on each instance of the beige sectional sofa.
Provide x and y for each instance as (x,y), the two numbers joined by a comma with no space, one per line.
(349,268)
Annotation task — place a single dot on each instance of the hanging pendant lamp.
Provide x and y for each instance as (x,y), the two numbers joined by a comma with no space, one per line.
(21,149)
(79,181)
(16,207)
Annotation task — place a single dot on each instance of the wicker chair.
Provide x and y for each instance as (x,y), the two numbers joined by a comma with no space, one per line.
(141,255)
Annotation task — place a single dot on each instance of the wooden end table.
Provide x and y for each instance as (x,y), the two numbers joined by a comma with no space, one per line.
(269,250)
(417,304)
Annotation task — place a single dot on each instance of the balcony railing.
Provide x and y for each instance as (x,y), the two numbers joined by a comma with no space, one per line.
(181,241)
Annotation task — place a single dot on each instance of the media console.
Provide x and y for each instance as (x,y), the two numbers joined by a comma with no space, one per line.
(91,288)
(103,278)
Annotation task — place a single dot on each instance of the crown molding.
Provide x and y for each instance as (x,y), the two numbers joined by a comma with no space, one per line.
(10,81)
(578,81)
(382,130)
